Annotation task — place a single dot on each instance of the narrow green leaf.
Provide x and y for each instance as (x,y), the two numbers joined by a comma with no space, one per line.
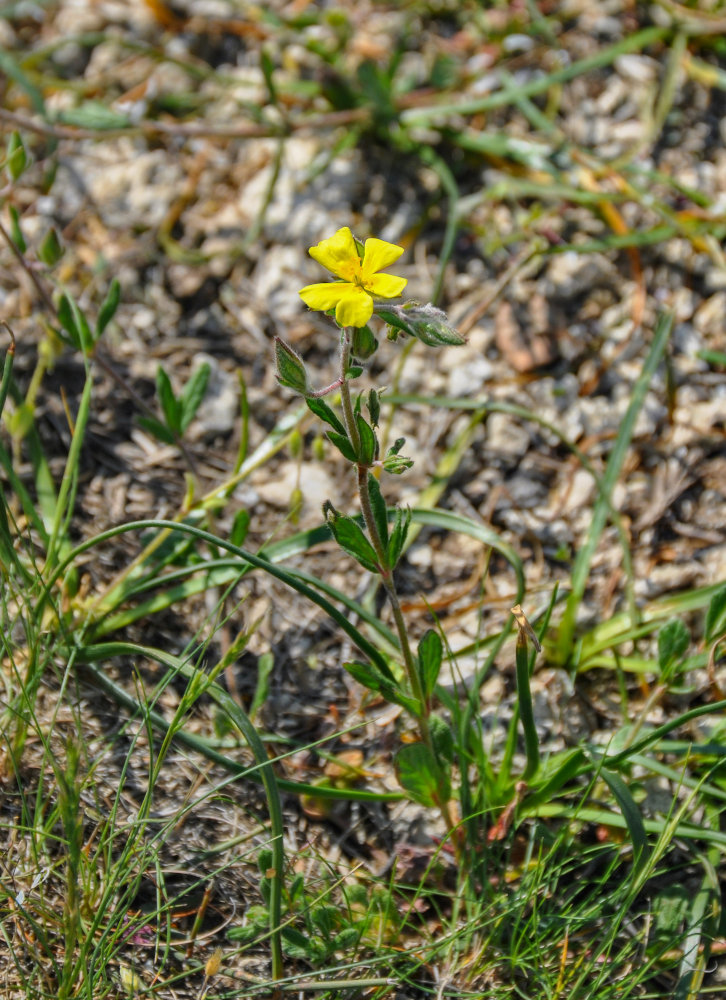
(398,535)
(524,704)
(100,653)
(10,66)
(16,159)
(74,321)
(344,445)
(155,427)
(631,815)
(109,307)
(240,527)
(368,441)
(50,250)
(715,358)
(380,511)
(420,775)
(430,652)
(93,115)
(374,407)
(371,678)
(349,536)
(7,372)
(193,394)
(170,406)
(16,232)
(321,409)
(554,774)
(581,569)
(673,641)
(375,84)
(265,663)
(268,68)
(715,625)
(67,320)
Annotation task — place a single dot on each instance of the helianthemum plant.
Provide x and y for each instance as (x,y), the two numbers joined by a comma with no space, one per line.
(359,293)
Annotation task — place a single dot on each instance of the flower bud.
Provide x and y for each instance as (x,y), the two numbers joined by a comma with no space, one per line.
(290,368)
(427,323)
(364,343)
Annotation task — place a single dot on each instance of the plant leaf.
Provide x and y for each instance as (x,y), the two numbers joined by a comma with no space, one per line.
(321,409)
(631,815)
(380,511)
(16,159)
(50,250)
(374,407)
(109,307)
(95,115)
(15,230)
(420,775)
(240,527)
(370,677)
(74,322)
(193,394)
(430,652)
(349,536)
(169,404)
(398,535)
(344,445)
(673,641)
(368,442)
(155,427)
(716,615)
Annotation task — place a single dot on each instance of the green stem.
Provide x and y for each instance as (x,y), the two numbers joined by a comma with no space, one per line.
(348,415)
(387,574)
(377,541)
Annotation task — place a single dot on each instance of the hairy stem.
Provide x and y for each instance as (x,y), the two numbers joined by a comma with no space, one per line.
(386,574)
(348,415)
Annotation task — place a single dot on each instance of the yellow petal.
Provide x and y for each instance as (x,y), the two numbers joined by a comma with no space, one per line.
(355,306)
(338,254)
(379,254)
(387,286)
(323,296)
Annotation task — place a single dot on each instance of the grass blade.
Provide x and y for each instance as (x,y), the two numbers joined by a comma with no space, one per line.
(581,568)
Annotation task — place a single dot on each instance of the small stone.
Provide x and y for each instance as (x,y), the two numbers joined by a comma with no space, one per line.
(506,436)
(710,315)
(315,483)
(219,409)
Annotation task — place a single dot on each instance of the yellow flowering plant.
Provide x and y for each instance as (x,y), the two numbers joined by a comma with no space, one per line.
(376,540)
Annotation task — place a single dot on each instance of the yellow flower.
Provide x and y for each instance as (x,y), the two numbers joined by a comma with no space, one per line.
(352,296)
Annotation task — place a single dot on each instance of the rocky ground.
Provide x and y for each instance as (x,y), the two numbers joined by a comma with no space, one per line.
(199,180)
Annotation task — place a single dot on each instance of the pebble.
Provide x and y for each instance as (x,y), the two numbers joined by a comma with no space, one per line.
(219,409)
(637,68)
(711,313)
(315,483)
(570,274)
(506,437)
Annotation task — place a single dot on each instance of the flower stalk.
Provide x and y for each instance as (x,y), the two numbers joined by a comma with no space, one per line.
(359,293)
